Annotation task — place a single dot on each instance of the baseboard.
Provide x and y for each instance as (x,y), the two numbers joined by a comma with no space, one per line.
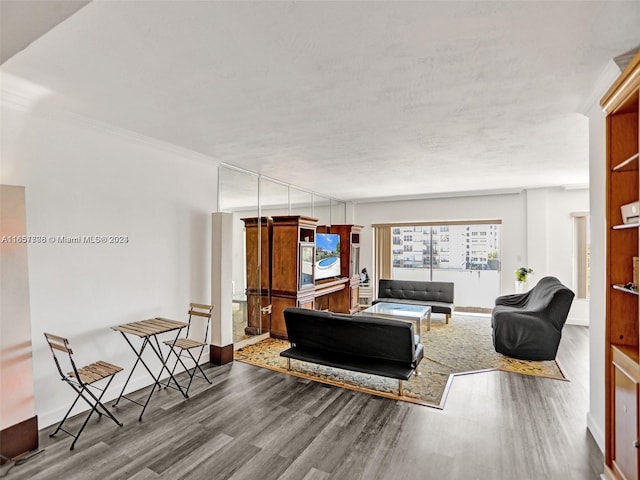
(595,431)
(250,341)
(221,355)
(19,439)
(582,322)
(464,310)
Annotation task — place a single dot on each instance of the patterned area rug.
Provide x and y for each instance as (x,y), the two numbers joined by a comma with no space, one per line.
(463,346)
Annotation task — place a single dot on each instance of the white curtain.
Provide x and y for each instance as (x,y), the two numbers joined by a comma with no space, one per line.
(382,245)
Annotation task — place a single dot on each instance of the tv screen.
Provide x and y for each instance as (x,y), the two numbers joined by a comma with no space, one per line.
(327,255)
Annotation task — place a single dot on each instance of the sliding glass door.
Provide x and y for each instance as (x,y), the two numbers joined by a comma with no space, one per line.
(467,254)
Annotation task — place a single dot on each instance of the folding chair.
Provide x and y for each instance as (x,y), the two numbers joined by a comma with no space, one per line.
(81,380)
(188,343)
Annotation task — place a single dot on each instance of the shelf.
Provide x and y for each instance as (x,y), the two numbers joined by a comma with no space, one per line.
(625,357)
(626,163)
(326,288)
(626,225)
(622,288)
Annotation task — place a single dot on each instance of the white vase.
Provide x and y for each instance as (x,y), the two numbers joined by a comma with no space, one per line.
(520,286)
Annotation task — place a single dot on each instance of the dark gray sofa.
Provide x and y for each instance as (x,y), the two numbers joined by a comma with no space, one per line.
(528,326)
(359,343)
(437,295)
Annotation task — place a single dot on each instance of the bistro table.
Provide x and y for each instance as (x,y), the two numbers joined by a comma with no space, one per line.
(148,331)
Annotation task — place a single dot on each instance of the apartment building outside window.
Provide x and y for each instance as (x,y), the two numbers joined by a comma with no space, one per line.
(466,253)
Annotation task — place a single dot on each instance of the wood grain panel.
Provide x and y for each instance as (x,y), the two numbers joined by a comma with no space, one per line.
(258,242)
(625,456)
(252,423)
(285,258)
(279,303)
(622,245)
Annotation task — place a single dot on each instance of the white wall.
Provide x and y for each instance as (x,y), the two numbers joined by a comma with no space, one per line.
(537,228)
(597,175)
(551,242)
(16,366)
(83,178)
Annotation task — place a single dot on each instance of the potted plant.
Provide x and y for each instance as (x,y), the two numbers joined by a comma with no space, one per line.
(521,278)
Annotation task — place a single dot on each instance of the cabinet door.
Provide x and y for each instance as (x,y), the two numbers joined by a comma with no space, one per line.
(258,320)
(625,455)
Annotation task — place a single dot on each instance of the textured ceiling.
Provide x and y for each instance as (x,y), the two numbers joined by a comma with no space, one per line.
(350,99)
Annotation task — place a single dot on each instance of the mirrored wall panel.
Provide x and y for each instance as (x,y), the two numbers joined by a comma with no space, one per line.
(249,197)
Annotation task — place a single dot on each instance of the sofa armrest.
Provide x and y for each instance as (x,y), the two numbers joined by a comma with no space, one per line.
(514,300)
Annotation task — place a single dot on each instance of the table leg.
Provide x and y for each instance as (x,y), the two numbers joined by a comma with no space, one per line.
(158,353)
(138,360)
(164,363)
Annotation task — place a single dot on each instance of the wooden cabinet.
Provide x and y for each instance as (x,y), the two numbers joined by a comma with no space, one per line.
(280,259)
(258,272)
(622,335)
(625,412)
(349,265)
(291,235)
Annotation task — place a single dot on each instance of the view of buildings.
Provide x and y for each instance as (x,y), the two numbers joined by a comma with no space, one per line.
(454,247)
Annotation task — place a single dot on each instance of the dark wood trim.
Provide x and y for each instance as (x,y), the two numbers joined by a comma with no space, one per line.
(19,438)
(220,355)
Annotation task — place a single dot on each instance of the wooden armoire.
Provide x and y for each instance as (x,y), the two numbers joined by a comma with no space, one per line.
(286,278)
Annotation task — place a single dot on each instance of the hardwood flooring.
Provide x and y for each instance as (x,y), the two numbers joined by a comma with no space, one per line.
(253,423)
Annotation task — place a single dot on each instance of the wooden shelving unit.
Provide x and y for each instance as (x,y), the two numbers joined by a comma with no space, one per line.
(622,336)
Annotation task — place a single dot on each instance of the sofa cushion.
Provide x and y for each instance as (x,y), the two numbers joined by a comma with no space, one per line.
(437,295)
(416,290)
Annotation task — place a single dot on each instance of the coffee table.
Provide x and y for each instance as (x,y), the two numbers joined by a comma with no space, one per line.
(400,311)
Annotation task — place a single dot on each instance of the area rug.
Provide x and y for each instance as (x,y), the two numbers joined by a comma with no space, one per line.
(463,346)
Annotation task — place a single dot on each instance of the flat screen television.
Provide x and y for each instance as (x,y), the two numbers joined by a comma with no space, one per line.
(327,255)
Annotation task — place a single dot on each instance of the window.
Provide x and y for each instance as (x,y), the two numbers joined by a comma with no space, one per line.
(465,253)
(447,246)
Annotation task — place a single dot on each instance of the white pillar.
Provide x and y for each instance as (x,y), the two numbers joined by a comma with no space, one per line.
(221,287)
(18,421)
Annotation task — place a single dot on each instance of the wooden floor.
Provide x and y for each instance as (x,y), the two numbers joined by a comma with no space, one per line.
(253,423)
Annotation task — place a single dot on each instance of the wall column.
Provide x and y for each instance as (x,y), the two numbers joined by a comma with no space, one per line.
(18,421)
(221,349)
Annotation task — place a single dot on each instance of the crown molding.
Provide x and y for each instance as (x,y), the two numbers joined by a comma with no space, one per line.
(601,85)
(468,193)
(22,102)
(431,196)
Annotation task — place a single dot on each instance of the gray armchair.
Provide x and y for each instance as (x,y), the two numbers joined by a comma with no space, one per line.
(529,326)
